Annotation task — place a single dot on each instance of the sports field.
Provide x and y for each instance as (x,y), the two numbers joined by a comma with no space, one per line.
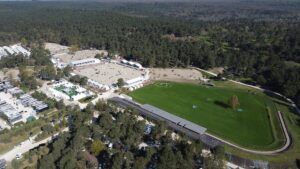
(254,125)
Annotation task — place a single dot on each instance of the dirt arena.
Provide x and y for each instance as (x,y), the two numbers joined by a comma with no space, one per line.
(108,73)
(175,74)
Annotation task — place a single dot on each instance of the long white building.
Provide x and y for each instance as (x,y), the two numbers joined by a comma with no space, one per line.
(84,62)
(13,50)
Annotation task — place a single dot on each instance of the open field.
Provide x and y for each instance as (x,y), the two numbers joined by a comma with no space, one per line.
(255,126)
(288,158)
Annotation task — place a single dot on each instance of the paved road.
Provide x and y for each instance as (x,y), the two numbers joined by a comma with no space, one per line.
(207,138)
(25,147)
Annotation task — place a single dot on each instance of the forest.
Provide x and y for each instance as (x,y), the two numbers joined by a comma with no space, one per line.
(254,41)
(86,145)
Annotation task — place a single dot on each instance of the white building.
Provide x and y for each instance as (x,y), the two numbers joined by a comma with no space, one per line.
(13,50)
(8,50)
(63,94)
(22,50)
(124,61)
(14,110)
(98,85)
(132,64)
(137,65)
(58,63)
(135,83)
(2,52)
(84,62)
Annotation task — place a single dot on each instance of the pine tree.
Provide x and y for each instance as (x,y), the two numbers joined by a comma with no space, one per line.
(234,102)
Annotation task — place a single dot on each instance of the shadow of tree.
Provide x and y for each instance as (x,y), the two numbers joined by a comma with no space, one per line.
(298,163)
(298,122)
(222,104)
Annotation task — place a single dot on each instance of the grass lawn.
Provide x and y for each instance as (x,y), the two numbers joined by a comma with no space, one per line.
(255,127)
(287,159)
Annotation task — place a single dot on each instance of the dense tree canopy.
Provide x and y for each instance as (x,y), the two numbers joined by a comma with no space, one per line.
(86,144)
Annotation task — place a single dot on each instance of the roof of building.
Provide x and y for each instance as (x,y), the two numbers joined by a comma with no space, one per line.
(134,80)
(175,119)
(14,49)
(9,111)
(84,60)
(124,61)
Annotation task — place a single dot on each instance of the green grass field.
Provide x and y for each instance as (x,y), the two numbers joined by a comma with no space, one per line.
(256,126)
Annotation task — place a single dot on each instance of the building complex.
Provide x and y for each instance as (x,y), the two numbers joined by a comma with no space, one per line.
(102,74)
(17,106)
(13,50)
(68,91)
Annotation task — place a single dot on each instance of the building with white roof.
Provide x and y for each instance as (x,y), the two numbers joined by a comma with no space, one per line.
(131,64)
(14,109)
(98,85)
(22,50)
(136,82)
(68,91)
(84,62)
(13,50)
(124,61)
(8,50)
(2,52)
